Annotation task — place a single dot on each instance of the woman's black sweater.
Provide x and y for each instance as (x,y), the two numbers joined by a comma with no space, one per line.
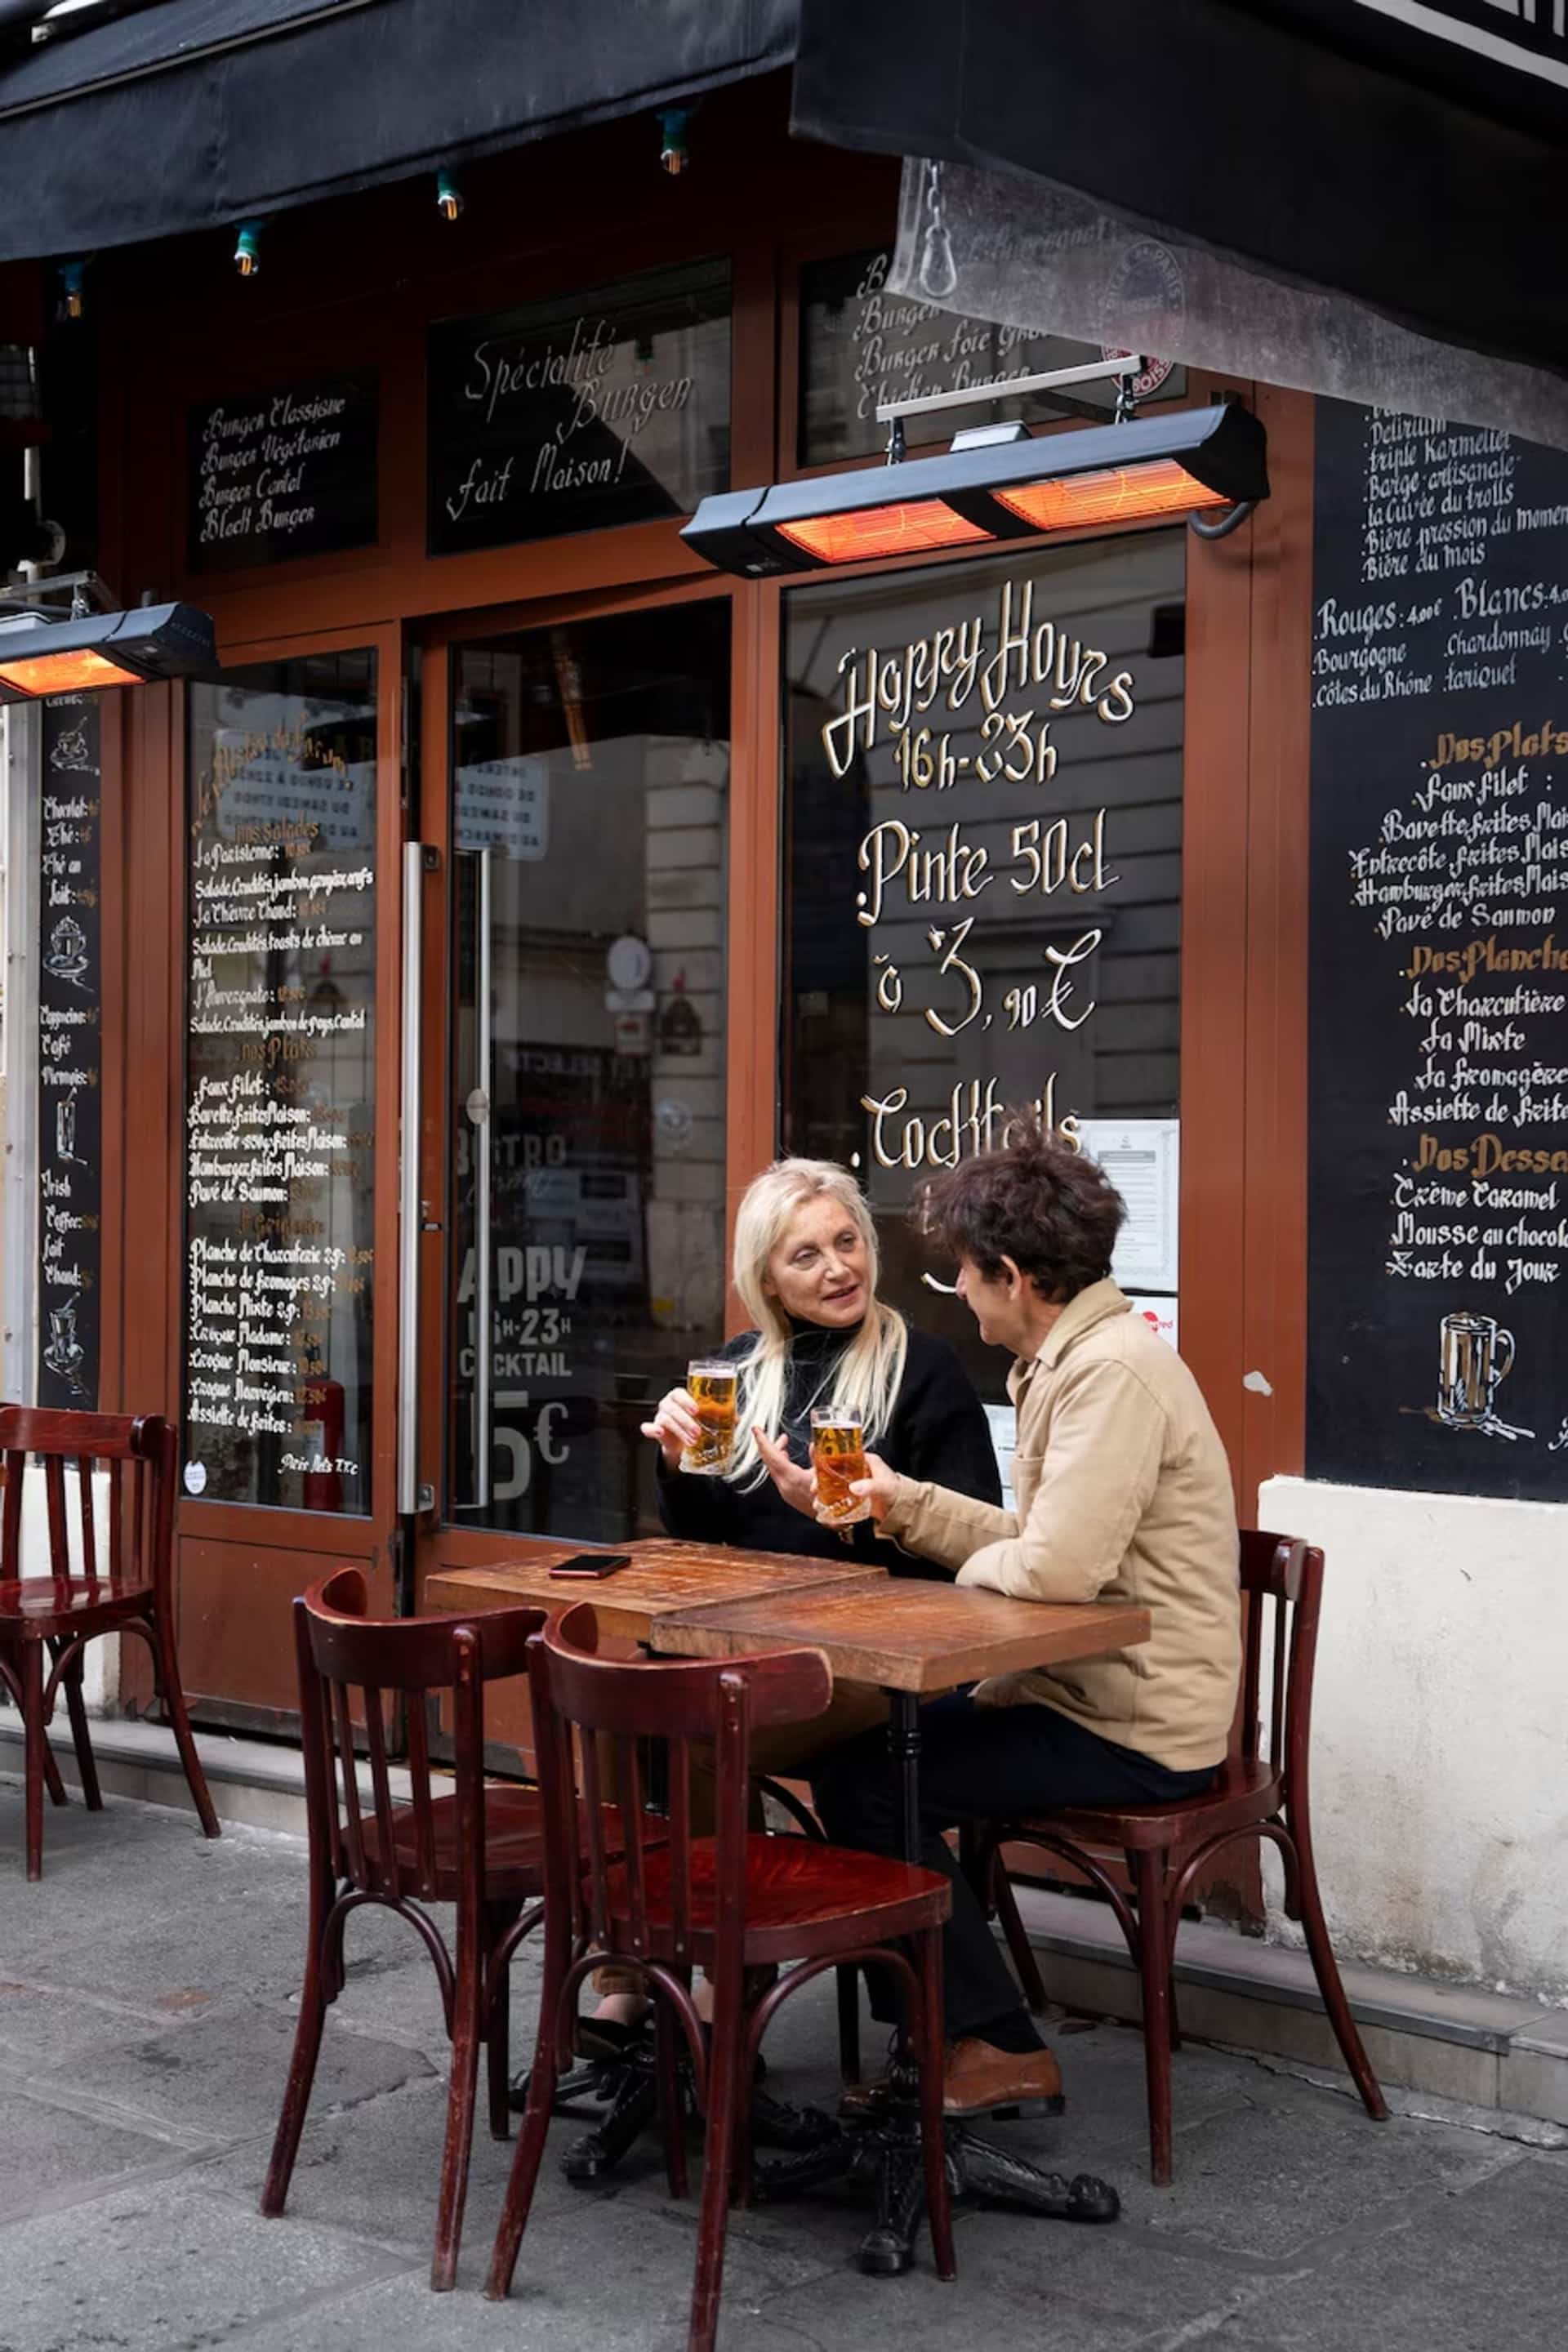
(938,1430)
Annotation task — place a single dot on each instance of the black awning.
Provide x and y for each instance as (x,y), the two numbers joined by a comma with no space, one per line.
(195,113)
(1411,157)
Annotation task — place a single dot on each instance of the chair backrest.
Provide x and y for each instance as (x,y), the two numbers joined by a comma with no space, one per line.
(351,1667)
(140,1540)
(622,1710)
(1282,1578)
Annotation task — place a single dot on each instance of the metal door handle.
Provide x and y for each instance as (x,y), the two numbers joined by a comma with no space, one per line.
(478,1107)
(409,1205)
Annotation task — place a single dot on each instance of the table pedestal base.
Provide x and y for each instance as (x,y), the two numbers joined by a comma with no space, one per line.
(624,2092)
(885,2153)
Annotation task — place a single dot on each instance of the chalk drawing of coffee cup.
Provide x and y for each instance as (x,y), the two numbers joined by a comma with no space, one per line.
(1474,1357)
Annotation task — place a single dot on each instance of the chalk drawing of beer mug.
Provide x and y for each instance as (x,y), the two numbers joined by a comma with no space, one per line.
(1475,1355)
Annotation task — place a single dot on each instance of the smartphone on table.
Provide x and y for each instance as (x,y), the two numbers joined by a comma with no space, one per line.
(592,1564)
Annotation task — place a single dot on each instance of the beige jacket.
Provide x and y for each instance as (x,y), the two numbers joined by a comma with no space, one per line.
(1123,1494)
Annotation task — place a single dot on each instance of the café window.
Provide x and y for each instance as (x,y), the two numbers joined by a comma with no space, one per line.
(590,791)
(861,344)
(280,1084)
(982,842)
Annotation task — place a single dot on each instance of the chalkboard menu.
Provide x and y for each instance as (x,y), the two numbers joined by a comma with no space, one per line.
(1438,1220)
(280,1085)
(71,1054)
(599,408)
(283,473)
(860,345)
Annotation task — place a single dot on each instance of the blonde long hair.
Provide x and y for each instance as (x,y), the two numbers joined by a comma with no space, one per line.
(867,1378)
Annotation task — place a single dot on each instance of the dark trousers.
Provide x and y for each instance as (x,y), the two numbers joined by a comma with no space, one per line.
(978,1763)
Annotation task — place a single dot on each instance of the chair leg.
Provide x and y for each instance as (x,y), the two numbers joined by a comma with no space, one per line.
(52,1781)
(531,2137)
(1020,1950)
(76,1707)
(1326,1968)
(498,2025)
(718,2156)
(849,2024)
(468,2030)
(35,1748)
(667,2072)
(173,1696)
(1155,1967)
(314,1999)
(933,2145)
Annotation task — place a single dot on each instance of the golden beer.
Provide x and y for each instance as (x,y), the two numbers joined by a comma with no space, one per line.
(839,1458)
(711,1387)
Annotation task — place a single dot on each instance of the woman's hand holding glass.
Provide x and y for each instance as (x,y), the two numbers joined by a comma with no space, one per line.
(675,1427)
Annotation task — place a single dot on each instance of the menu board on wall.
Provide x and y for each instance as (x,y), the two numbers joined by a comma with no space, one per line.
(860,346)
(280,1101)
(70,1054)
(1438,1221)
(283,473)
(595,409)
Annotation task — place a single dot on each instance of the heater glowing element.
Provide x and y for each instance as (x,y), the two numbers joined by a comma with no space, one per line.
(67,673)
(1114,494)
(868,531)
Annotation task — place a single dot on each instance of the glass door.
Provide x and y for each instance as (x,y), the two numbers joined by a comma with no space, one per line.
(582,1097)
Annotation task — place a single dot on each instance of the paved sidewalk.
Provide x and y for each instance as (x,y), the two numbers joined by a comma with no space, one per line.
(146,2005)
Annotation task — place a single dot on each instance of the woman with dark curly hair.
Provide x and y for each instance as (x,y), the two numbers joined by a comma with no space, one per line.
(1123,1491)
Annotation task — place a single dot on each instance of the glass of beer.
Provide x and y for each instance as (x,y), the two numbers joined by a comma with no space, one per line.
(710,1382)
(839,1458)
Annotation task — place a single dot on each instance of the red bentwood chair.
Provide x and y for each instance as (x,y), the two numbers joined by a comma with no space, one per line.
(478,1848)
(1257,1795)
(59,1613)
(668,1903)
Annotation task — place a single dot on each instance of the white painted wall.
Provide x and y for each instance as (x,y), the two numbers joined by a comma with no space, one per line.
(1440,1730)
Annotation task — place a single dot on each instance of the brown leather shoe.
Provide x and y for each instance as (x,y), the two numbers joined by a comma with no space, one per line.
(981,2080)
(977,2079)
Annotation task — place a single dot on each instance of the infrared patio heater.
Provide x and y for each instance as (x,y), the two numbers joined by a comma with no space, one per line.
(81,650)
(996,484)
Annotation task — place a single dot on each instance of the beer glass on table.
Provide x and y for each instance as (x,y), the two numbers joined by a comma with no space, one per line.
(711,1383)
(839,1458)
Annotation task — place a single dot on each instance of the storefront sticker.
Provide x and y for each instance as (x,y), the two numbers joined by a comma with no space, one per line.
(984,850)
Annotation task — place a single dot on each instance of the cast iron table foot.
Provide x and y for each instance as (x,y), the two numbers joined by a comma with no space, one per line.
(978,2168)
(626,2090)
(885,2153)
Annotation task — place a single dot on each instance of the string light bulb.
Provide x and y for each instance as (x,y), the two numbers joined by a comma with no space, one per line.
(448,195)
(674,154)
(72,300)
(248,249)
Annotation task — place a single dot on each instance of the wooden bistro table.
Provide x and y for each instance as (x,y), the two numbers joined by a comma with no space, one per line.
(666,1578)
(914,1640)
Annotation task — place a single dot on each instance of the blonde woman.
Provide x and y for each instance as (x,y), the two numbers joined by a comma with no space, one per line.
(806,1267)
